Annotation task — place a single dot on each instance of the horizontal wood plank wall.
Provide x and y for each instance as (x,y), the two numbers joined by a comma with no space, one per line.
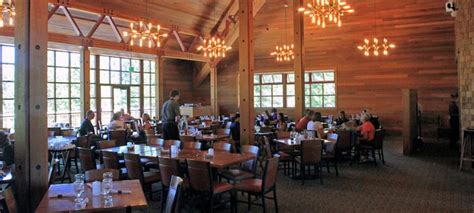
(178,74)
(424,58)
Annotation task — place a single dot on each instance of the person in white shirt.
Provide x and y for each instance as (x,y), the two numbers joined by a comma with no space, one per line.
(116,123)
(316,125)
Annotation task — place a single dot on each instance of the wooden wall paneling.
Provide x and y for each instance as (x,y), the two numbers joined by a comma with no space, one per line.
(142,90)
(246,66)
(159,84)
(409,100)
(85,80)
(298,31)
(31,145)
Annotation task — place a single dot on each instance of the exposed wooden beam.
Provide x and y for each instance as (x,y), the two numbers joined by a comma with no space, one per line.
(229,40)
(246,70)
(115,29)
(298,66)
(86,7)
(195,41)
(96,26)
(53,11)
(231,10)
(167,38)
(71,20)
(31,139)
(180,42)
(111,45)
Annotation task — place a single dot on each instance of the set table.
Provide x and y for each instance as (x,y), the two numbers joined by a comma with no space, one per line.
(61,146)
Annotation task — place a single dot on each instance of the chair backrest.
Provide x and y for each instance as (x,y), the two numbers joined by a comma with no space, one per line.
(10,200)
(68,132)
(174,194)
(155,141)
(267,147)
(311,151)
(56,130)
(332,136)
(266,129)
(187,138)
(443,121)
(250,165)
(344,140)
(106,144)
(378,138)
(111,160)
(283,135)
(222,146)
(97,174)
(192,145)
(168,167)
(227,124)
(120,137)
(168,143)
(87,158)
(225,131)
(270,174)
(134,167)
(83,141)
(53,171)
(200,175)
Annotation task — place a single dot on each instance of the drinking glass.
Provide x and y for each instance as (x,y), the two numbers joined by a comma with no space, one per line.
(108,175)
(79,177)
(106,187)
(79,190)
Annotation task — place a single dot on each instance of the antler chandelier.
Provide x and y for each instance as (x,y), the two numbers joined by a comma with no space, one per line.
(214,47)
(321,11)
(284,53)
(375,47)
(145,33)
(7,7)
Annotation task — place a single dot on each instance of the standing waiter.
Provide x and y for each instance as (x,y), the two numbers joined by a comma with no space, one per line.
(170,115)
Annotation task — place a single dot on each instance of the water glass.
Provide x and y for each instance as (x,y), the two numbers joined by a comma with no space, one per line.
(106,187)
(79,190)
(108,201)
(108,175)
(79,177)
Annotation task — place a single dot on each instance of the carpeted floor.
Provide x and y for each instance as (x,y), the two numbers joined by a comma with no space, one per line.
(427,182)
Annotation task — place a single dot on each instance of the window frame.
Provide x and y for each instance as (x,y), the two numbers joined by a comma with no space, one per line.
(309,72)
(3,116)
(284,84)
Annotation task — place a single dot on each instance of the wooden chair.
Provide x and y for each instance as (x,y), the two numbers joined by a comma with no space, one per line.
(155,141)
(135,171)
(187,138)
(68,132)
(168,143)
(192,145)
(247,169)
(376,147)
(284,158)
(168,169)
(223,131)
(106,144)
(56,130)
(444,128)
(83,141)
(112,161)
(329,157)
(97,175)
(87,159)
(223,147)
(311,155)
(202,184)
(344,146)
(53,170)
(266,129)
(120,136)
(10,200)
(174,195)
(261,187)
(283,135)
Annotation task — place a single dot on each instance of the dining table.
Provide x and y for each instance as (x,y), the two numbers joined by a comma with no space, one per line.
(60,198)
(328,144)
(219,160)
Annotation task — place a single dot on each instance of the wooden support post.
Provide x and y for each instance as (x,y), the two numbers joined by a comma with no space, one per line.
(246,70)
(409,101)
(142,88)
(160,93)
(97,90)
(85,80)
(298,32)
(214,104)
(31,137)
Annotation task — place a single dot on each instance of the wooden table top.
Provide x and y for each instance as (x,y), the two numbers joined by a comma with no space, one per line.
(51,203)
(289,142)
(211,137)
(220,159)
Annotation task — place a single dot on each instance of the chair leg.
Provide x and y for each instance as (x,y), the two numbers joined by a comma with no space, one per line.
(383,157)
(163,201)
(320,175)
(302,173)
(327,166)
(263,203)
(211,203)
(249,200)
(275,200)
(335,166)
(375,159)
(75,164)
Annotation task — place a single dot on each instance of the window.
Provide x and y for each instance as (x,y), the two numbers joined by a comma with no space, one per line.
(64,88)
(149,87)
(7,72)
(270,90)
(320,89)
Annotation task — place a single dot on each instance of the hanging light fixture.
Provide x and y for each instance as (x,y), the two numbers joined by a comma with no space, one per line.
(145,33)
(321,11)
(7,8)
(214,47)
(375,46)
(285,52)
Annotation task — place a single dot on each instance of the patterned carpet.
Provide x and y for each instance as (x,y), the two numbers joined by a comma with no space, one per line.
(428,182)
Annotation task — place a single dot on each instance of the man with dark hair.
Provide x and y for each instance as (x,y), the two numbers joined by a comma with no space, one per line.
(86,126)
(6,150)
(170,115)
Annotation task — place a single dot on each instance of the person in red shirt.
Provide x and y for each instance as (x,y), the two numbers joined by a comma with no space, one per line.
(367,134)
(303,122)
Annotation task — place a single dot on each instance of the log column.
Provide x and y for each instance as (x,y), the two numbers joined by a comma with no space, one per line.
(298,32)
(246,70)
(85,80)
(159,85)
(31,145)
(214,104)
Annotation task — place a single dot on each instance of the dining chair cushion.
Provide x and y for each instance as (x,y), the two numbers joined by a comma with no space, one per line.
(249,185)
(218,187)
(236,174)
(151,177)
